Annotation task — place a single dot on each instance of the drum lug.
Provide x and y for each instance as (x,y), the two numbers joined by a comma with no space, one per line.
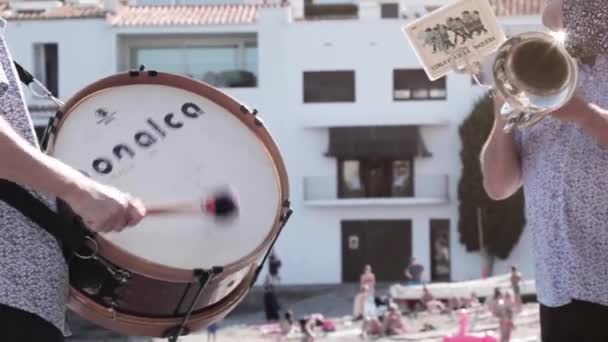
(244,109)
(106,276)
(120,275)
(112,305)
(114,278)
(288,212)
(106,291)
(142,68)
(257,120)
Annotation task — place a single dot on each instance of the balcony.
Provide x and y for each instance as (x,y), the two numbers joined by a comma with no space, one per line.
(428,190)
(219,79)
(233,64)
(330,11)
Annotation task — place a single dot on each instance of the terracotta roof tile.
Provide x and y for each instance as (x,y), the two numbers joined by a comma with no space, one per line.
(63,12)
(192,15)
(505,8)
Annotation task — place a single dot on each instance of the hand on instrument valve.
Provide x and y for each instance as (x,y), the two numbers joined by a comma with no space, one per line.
(104,209)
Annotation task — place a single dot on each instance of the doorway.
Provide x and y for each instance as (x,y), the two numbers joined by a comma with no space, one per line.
(384,244)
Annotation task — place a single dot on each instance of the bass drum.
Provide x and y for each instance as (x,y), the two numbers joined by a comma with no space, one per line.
(167,139)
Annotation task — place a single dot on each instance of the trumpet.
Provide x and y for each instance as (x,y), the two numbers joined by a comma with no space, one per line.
(535,75)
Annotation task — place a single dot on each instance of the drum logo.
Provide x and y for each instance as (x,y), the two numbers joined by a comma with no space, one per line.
(104,116)
(152,131)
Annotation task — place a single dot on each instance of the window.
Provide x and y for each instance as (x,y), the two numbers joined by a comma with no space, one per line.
(329,86)
(389,10)
(414,85)
(46,66)
(440,250)
(223,66)
(380,177)
(351,179)
(402,178)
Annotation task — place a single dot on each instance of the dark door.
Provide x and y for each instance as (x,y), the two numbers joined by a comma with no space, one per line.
(384,244)
(353,249)
(378,177)
(440,250)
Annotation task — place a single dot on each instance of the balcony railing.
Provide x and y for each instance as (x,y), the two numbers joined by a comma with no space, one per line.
(186,2)
(235,78)
(428,189)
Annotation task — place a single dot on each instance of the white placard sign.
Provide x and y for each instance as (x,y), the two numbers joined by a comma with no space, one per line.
(454,35)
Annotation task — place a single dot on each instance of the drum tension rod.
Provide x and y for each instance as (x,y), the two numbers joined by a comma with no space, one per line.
(256,118)
(142,68)
(51,128)
(203,277)
(283,219)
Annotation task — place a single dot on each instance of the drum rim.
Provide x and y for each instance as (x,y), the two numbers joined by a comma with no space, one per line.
(151,269)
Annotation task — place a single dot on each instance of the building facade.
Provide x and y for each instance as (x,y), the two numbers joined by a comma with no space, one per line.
(371,146)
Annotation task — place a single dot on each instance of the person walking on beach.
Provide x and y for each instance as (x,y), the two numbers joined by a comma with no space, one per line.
(516,278)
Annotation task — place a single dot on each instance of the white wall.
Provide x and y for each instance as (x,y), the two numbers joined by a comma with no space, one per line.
(310,246)
(86,49)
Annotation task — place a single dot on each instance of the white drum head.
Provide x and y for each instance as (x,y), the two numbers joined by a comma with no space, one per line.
(189,156)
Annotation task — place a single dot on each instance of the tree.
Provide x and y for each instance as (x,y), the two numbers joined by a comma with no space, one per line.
(502,222)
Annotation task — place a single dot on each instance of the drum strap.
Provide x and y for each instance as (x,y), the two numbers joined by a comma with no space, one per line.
(71,235)
(87,271)
(24,75)
(38,89)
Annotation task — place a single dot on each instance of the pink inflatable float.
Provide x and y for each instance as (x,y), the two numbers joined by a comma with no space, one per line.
(464,336)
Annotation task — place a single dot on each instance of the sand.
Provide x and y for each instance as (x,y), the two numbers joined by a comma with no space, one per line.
(527,329)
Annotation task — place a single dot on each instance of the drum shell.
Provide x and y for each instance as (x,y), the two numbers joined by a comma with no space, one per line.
(137,325)
(149,305)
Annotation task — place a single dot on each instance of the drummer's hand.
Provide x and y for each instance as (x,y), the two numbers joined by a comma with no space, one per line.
(104,208)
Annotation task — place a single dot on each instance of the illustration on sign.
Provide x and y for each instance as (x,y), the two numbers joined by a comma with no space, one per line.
(454,35)
(444,37)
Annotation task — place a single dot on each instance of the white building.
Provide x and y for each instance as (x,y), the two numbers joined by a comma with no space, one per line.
(313,77)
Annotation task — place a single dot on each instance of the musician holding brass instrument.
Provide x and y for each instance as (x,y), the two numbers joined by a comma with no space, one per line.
(562,164)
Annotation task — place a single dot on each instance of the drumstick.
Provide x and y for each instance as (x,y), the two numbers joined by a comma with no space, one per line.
(220,205)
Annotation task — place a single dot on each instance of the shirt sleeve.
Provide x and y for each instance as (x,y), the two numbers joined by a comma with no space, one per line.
(4,82)
(4,85)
